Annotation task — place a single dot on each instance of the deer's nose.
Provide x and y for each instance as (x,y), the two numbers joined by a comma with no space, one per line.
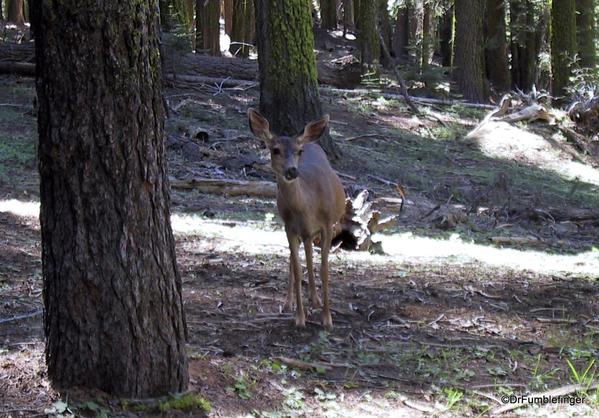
(291,173)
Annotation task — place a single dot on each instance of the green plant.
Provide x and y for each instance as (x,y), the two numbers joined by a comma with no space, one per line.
(584,379)
(242,387)
(185,402)
(453,396)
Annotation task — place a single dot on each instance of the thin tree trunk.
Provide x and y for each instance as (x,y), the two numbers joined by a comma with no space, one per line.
(208,26)
(426,36)
(228,11)
(469,56)
(113,311)
(563,43)
(328,14)
(384,26)
(348,16)
(288,87)
(496,52)
(14,12)
(446,34)
(587,33)
(243,22)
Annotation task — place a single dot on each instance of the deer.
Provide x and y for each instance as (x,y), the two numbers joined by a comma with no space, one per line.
(310,200)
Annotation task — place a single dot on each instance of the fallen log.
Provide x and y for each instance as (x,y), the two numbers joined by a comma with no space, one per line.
(341,72)
(229,187)
(20,68)
(13,52)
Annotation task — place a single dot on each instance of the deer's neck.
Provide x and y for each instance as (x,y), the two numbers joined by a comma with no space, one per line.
(291,194)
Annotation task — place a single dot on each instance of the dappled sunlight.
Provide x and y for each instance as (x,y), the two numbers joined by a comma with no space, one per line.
(502,140)
(253,238)
(20,208)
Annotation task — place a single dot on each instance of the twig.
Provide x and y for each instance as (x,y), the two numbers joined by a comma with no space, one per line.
(353,138)
(557,320)
(22,316)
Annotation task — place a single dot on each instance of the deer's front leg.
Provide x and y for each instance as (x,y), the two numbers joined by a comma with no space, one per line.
(288,307)
(314,299)
(326,235)
(300,317)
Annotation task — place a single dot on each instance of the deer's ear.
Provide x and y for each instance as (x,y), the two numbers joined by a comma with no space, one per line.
(314,130)
(259,126)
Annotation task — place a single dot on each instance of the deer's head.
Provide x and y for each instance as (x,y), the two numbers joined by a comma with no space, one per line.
(285,151)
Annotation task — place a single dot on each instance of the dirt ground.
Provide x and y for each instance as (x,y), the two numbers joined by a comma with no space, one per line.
(444,322)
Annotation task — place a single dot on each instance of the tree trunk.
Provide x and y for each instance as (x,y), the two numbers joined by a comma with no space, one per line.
(165,18)
(348,16)
(243,22)
(526,36)
(288,87)
(229,13)
(469,57)
(208,26)
(328,14)
(446,35)
(113,312)
(563,43)
(368,37)
(401,35)
(587,34)
(384,26)
(14,12)
(496,52)
(425,53)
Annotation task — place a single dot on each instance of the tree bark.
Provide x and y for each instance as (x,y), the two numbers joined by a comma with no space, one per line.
(348,16)
(446,35)
(384,26)
(587,33)
(243,24)
(469,57)
(526,38)
(401,35)
(228,11)
(425,53)
(368,37)
(496,51)
(288,87)
(113,311)
(328,14)
(208,26)
(14,12)
(563,43)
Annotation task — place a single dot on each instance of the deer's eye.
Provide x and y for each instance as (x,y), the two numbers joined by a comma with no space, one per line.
(276,151)
(300,152)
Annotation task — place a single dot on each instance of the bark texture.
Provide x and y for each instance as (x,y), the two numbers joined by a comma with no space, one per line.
(368,37)
(208,26)
(526,29)
(563,43)
(469,57)
(587,33)
(14,12)
(288,83)
(328,14)
(446,35)
(114,317)
(496,51)
(228,12)
(401,34)
(243,27)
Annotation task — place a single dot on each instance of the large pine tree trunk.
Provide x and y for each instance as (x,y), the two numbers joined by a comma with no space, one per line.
(228,12)
(496,52)
(469,56)
(288,86)
(208,26)
(563,43)
(587,33)
(384,26)
(328,14)
(368,36)
(14,12)
(242,31)
(113,312)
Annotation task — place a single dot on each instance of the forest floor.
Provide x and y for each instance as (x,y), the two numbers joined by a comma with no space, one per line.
(479,292)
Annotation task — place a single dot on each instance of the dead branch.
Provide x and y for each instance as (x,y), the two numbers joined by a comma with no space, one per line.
(20,68)
(229,187)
